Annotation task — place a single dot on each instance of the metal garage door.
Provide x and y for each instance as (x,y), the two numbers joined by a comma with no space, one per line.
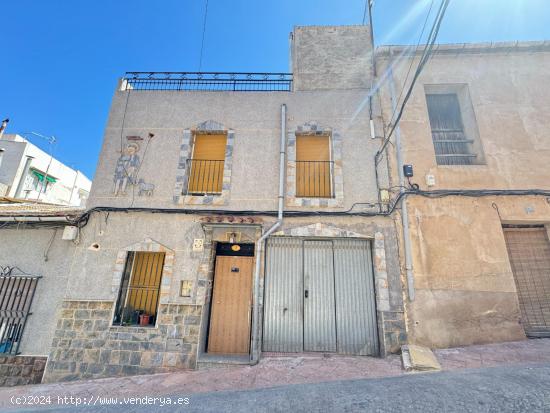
(529,252)
(319,296)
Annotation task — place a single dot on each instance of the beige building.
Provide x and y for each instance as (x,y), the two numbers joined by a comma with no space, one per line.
(477,120)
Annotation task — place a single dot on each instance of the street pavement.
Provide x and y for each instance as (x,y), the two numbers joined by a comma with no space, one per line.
(524,388)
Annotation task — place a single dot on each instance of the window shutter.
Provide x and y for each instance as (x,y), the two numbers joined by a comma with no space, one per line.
(206,175)
(313,166)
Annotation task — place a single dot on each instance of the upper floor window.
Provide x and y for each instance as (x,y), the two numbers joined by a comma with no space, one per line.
(314,166)
(38,181)
(452,121)
(207,164)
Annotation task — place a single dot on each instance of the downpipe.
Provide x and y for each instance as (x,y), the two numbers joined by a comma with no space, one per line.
(255,353)
(404,210)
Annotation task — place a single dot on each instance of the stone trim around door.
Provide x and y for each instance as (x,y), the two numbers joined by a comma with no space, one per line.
(147,245)
(312,128)
(182,173)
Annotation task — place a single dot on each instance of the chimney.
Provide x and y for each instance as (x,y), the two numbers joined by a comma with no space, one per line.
(3,127)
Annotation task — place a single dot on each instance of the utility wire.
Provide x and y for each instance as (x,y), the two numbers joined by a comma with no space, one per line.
(368,5)
(412,61)
(203,32)
(428,48)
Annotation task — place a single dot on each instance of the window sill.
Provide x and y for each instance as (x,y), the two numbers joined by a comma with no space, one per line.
(203,194)
(132,329)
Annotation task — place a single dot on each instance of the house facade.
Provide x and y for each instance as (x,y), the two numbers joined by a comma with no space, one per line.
(27,172)
(171,270)
(476,132)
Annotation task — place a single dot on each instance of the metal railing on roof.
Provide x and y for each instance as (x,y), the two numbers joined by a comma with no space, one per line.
(208,81)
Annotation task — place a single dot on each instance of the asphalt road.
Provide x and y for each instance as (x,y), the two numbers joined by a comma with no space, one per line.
(498,389)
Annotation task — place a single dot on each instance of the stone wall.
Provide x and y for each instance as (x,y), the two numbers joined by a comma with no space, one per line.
(20,370)
(87,346)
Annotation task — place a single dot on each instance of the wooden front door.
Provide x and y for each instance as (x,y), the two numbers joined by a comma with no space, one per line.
(231,306)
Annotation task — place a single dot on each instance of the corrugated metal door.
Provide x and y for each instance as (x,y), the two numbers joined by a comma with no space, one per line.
(231,304)
(319,296)
(283,304)
(355,302)
(529,252)
(319,307)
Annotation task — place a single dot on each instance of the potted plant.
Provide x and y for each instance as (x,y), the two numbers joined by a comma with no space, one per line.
(144,319)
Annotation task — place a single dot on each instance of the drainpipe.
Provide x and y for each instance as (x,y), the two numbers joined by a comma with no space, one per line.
(404,211)
(255,353)
(34,219)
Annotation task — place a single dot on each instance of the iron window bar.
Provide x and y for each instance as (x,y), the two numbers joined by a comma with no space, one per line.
(453,141)
(208,81)
(205,176)
(16,296)
(314,179)
(466,155)
(139,299)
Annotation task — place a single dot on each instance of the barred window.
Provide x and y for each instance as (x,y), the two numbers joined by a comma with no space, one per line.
(314,167)
(452,145)
(139,289)
(207,164)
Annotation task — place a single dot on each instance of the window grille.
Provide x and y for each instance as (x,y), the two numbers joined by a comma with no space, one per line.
(16,295)
(207,165)
(451,145)
(314,167)
(139,289)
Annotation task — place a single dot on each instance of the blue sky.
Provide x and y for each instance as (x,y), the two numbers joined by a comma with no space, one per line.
(61,58)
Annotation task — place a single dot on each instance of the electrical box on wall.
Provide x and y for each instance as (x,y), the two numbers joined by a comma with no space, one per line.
(384,195)
(408,171)
(69,233)
(198,244)
(430,180)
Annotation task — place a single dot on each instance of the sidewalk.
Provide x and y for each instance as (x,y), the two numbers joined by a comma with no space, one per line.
(281,370)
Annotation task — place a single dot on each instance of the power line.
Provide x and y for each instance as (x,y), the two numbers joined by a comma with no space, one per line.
(428,48)
(203,32)
(412,61)
(366,10)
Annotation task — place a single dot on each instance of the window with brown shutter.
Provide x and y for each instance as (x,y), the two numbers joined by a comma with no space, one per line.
(139,289)
(313,166)
(207,163)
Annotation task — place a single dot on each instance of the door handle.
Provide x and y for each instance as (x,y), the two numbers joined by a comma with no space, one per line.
(306,293)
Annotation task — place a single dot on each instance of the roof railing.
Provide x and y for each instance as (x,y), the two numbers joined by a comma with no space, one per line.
(208,81)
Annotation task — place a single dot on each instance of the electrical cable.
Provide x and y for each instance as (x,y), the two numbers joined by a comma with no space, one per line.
(428,48)
(412,61)
(203,32)
(83,219)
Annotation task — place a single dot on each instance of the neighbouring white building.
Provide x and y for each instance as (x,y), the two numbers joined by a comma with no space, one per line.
(27,172)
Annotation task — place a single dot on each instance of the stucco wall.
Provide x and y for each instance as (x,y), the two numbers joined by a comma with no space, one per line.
(331,57)
(255,120)
(91,275)
(12,163)
(26,249)
(511,101)
(465,290)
